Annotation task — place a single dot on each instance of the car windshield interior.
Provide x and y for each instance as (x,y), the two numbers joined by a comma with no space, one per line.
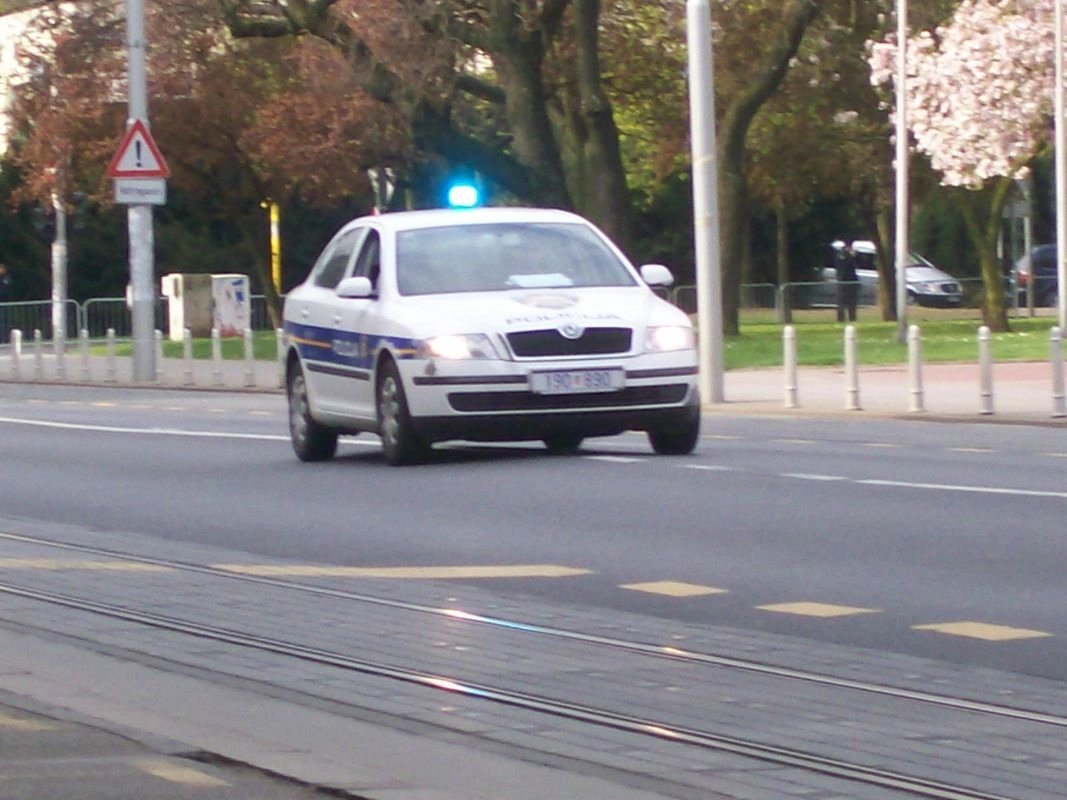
(504,256)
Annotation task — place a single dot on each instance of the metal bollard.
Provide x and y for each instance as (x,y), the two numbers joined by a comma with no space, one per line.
(1059,403)
(789,359)
(985,366)
(83,349)
(852,378)
(110,371)
(187,355)
(59,349)
(915,368)
(250,371)
(16,353)
(216,356)
(38,355)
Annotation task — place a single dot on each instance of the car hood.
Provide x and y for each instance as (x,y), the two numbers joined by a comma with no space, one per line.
(522,310)
(923,274)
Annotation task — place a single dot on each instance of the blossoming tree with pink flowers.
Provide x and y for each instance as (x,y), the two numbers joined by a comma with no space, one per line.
(979,96)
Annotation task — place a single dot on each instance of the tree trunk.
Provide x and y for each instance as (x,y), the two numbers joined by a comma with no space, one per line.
(733,192)
(609,199)
(981,211)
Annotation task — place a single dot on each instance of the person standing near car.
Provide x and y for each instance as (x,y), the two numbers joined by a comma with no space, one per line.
(847,282)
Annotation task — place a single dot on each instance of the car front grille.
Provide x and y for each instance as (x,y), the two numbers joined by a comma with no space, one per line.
(592,342)
(528,401)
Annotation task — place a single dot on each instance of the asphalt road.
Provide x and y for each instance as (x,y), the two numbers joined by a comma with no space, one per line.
(938,540)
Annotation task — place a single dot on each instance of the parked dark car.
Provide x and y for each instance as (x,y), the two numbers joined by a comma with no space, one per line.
(926,284)
(1042,265)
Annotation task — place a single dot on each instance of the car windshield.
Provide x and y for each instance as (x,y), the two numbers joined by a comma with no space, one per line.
(503,256)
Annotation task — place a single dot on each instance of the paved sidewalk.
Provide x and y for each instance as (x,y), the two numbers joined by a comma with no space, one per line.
(1021,392)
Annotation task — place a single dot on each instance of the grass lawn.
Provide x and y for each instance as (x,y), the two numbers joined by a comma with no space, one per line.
(947,336)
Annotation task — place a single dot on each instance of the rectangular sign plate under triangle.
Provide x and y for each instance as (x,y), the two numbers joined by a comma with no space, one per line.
(138,156)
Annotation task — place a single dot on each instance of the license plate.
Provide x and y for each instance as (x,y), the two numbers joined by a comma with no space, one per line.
(577,381)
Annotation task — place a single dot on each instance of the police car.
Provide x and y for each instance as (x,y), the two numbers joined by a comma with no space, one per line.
(489,324)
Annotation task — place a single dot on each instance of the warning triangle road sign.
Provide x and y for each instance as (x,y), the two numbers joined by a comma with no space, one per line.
(138,156)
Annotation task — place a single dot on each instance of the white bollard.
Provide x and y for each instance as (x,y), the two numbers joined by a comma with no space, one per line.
(216,356)
(985,367)
(16,353)
(38,355)
(1059,402)
(59,348)
(250,370)
(852,377)
(279,338)
(83,350)
(187,355)
(789,360)
(159,355)
(109,373)
(915,368)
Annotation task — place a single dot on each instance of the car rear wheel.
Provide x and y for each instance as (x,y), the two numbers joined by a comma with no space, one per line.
(400,444)
(563,444)
(676,440)
(311,440)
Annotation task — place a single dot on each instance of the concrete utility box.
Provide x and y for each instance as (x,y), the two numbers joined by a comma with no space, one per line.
(189,303)
(233,304)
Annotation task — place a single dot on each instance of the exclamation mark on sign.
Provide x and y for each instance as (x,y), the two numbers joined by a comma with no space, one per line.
(137,147)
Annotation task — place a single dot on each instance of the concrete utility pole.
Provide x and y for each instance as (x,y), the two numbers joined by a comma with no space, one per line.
(705,199)
(1061,175)
(901,245)
(139,217)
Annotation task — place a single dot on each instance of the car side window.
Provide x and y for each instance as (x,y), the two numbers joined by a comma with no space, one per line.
(368,262)
(332,264)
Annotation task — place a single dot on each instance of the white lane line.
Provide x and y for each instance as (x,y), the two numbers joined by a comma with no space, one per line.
(710,468)
(615,459)
(810,476)
(70,426)
(949,487)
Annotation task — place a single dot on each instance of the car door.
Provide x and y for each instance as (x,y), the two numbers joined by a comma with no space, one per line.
(317,316)
(361,327)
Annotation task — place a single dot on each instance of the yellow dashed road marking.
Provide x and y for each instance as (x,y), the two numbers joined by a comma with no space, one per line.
(673,588)
(423,573)
(103,404)
(1055,455)
(817,609)
(61,564)
(27,725)
(983,630)
(176,773)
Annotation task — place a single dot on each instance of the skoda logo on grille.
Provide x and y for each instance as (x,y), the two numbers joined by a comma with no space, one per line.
(571,330)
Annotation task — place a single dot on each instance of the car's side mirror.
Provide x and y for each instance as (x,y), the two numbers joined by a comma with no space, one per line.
(358,287)
(656,275)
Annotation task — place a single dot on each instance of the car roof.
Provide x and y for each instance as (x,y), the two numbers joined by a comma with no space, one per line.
(442,217)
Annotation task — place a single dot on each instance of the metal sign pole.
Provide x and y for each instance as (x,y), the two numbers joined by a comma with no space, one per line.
(139,217)
(901,246)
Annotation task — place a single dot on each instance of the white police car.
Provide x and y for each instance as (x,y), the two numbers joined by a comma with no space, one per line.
(492,324)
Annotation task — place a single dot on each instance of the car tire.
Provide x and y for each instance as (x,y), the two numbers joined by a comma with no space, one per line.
(400,444)
(311,440)
(678,439)
(563,444)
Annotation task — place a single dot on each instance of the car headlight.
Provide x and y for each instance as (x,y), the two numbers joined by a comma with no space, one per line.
(456,346)
(667,338)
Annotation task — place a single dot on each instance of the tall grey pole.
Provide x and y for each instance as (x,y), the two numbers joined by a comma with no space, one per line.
(901,246)
(59,271)
(139,217)
(705,199)
(1061,175)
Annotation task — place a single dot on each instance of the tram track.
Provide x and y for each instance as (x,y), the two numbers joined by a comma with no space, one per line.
(662,729)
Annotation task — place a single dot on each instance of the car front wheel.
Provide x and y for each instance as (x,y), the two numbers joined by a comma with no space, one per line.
(400,444)
(311,440)
(678,439)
